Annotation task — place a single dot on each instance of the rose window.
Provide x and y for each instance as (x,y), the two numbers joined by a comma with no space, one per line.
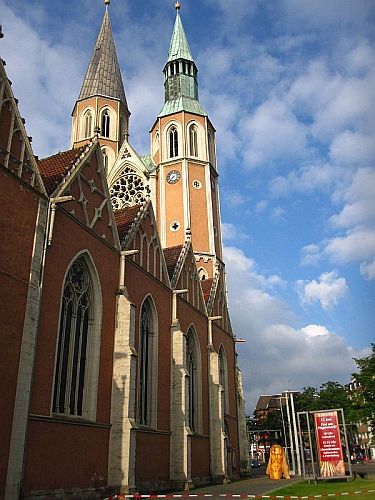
(128,190)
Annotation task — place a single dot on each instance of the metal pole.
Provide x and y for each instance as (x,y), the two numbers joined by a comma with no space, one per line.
(295,434)
(290,433)
(311,448)
(302,448)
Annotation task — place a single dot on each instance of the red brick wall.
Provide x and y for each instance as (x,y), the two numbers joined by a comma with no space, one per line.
(200,456)
(18,209)
(152,457)
(63,448)
(65,456)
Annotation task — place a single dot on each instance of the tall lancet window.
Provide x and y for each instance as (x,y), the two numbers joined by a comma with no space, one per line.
(192,381)
(105,123)
(105,160)
(173,142)
(78,345)
(147,366)
(88,124)
(223,380)
(193,140)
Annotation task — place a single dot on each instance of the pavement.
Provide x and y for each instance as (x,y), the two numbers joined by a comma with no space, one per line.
(260,484)
(257,484)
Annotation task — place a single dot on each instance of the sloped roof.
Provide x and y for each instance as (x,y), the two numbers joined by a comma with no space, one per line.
(182,103)
(103,76)
(124,219)
(206,288)
(54,168)
(171,256)
(179,46)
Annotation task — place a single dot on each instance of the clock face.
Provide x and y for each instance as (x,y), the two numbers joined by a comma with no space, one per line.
(173,176)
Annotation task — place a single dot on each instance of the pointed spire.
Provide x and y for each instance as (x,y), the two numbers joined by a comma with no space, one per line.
(179,47)
(180,74)
(103,76)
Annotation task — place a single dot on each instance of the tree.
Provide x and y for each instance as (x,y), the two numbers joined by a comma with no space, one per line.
(364,398)
(331,395)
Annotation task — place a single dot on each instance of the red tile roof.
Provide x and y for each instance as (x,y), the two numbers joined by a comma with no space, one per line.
(171,255)
(206,287)
(54,168)
(124,219)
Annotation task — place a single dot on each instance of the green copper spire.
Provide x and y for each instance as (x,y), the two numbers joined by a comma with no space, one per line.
(180,75)
(179,47)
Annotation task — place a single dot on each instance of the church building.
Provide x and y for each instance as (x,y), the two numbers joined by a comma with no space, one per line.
(118,367)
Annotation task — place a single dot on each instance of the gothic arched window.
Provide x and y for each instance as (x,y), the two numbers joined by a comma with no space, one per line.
(192,381)
(193,140)
(223,379)
(106,121)
(105,160)
(173,142)
(147,366)
(87,124)
(78,345)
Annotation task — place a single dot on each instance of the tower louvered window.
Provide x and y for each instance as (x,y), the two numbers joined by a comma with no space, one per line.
(105,123)
(173,142)
(88,124)
(76,318)
(193,141)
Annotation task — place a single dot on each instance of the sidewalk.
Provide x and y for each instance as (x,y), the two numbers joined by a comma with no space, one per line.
(256,485)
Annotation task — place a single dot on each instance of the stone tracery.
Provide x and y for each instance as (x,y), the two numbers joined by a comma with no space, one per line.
(128,190)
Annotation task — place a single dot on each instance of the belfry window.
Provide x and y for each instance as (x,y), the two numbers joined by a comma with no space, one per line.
(77,358)
(147,366)
(193,140)
(173,142)
(105,123)
(88,124)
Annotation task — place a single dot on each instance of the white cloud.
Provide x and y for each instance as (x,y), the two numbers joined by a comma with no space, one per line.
(230,232)
(277,355)
(328,290)
(356,245)
(269,132)
(305,179)
(352,148)
(368,270)
(359,200)
(315,330)
(311,254)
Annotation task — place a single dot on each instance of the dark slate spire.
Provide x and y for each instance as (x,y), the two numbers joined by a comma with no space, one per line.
(103,76)
(180,74)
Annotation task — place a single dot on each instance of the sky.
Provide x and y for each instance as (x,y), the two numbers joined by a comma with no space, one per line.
(289,86)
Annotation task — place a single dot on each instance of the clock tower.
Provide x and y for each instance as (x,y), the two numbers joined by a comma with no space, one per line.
(183,148)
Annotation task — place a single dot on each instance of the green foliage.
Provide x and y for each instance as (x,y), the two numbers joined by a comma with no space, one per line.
(364,398)
(330,396)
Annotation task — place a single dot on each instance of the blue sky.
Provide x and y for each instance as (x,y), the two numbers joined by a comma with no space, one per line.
(289,86)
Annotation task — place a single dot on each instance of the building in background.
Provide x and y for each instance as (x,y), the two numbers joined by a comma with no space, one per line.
(118,363)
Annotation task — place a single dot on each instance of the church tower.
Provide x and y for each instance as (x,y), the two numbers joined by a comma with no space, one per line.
(183,148)
(101,106)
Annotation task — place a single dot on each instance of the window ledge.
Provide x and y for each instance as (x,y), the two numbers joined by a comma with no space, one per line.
(65,419)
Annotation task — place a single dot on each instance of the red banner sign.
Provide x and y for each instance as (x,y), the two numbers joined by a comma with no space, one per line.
(331,459)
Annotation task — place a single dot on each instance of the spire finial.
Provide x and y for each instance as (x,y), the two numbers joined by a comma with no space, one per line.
(178,5)
(107,2)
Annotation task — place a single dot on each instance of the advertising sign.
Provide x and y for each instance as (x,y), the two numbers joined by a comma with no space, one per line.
(331,458)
